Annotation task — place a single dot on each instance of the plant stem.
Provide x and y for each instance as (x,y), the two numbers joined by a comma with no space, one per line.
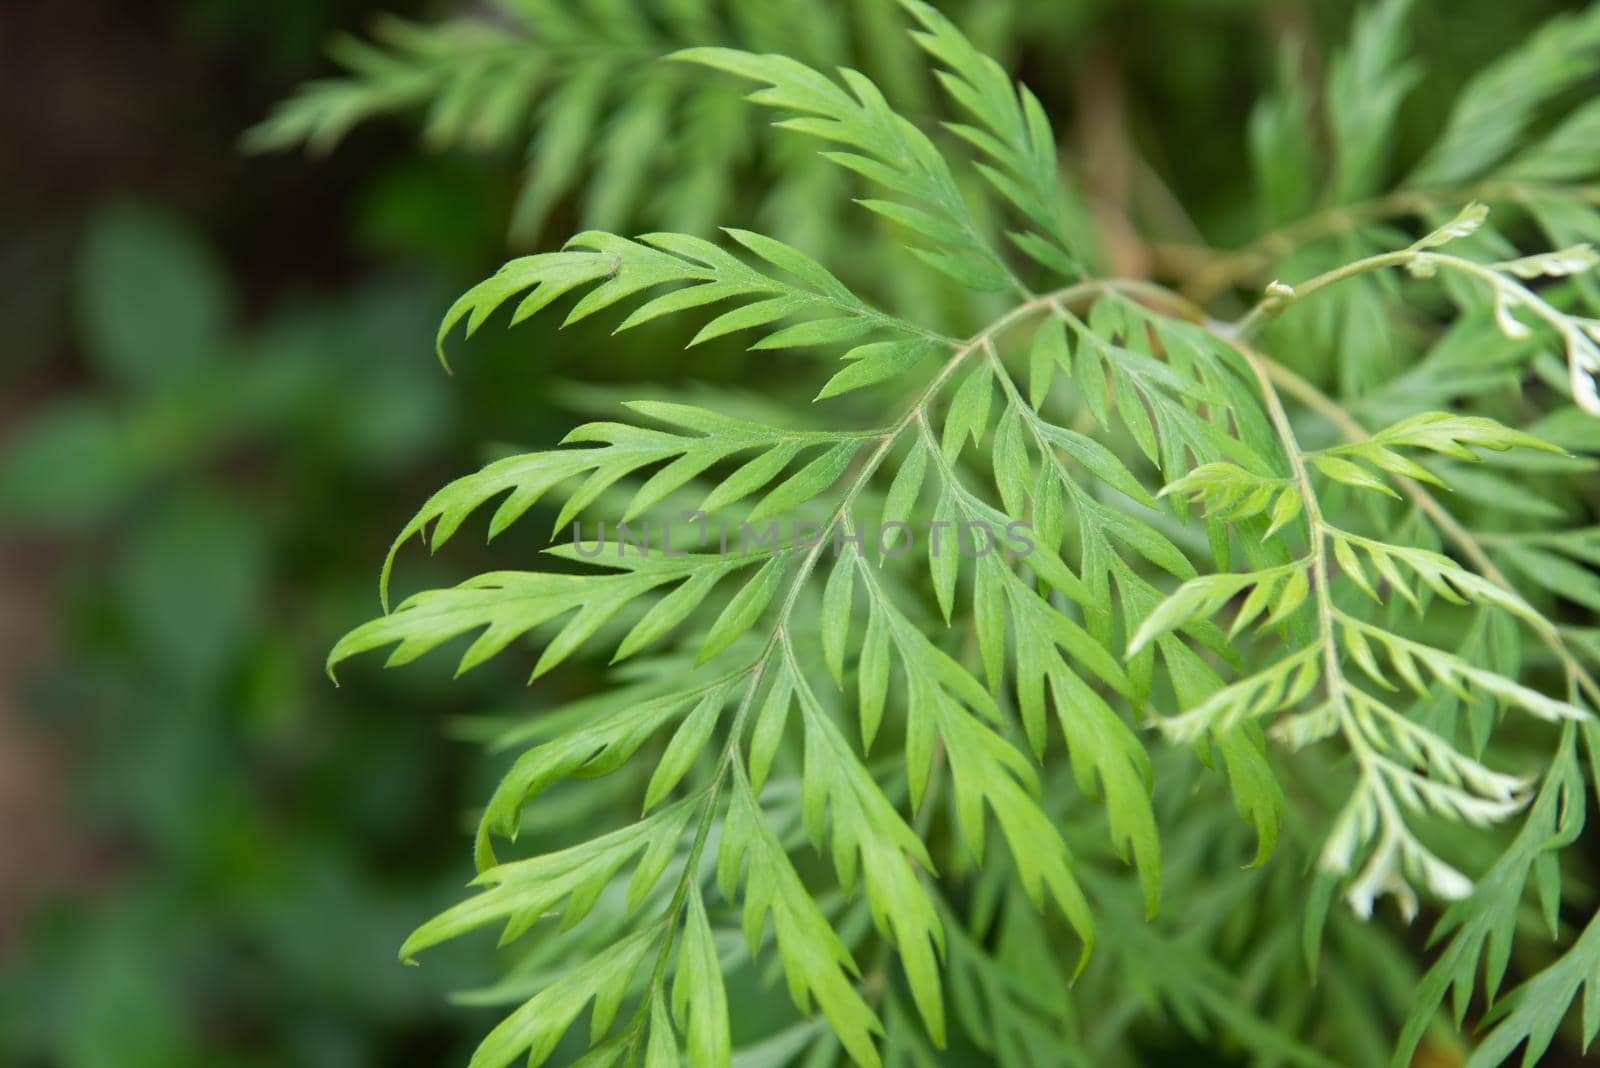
(1214,271)
(1313,398)
(1278,299)
(757,669)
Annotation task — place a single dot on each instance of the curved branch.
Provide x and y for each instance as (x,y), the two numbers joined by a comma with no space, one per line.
(1211,271)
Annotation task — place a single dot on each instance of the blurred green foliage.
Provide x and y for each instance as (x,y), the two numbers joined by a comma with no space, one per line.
(215,786)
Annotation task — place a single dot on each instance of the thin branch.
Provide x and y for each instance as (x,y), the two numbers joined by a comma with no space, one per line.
(1451,527)
(1209,271)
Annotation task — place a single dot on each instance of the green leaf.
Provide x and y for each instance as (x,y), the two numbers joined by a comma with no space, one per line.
(1282,149)
(1100,462)
(944,556)
(872,678)
(533,1030)
(768,733)
(70,466)
(881,146)
(745,608)
(1466,223)
(1366,85)
(808,482)
(903,494)
(1013,132)
(686,745)
(750,477)
(835,621)
(698,991)
(969,410)
(1570,152)
(1416,707)
(875,363)
(1532,1013)
(1351,474)
(613,269)
(1048,353)
(155,303)
(1498,105)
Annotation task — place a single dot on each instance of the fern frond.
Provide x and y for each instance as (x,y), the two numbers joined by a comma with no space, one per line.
(883,147)
(880,751)
(1500,103)
(476,76)
(948,710)
(1401,766)
(1016,136)
(576,88)
(1367,82)
(1505,282)
(1482,926)
(1530,1014)
(618,269)
(1484,153)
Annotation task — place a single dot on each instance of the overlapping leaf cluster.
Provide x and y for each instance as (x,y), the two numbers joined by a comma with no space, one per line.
(576,89)
(1515,140)
(890,728)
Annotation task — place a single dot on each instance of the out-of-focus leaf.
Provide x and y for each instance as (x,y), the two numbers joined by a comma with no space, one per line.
(191,581)
(70,466)
(154,303)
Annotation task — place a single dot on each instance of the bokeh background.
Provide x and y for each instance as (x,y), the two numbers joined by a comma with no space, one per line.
(218,401)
